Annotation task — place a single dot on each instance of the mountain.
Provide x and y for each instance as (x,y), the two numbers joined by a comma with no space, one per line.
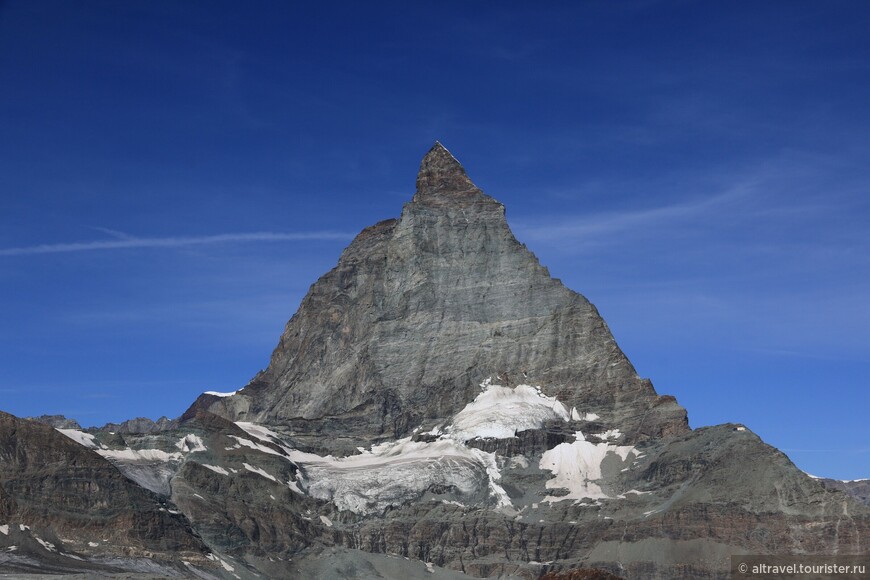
(65,509)
(438,407)
(419,311)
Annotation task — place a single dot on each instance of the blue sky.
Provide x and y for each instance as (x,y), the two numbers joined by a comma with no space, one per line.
(174,176)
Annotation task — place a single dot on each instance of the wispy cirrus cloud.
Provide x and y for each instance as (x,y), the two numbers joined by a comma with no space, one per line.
(601,226)
(128,242)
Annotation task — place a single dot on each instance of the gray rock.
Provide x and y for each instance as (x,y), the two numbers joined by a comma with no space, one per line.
(420,310)
(858,488)
(56,421)
(141,425)
(66,509)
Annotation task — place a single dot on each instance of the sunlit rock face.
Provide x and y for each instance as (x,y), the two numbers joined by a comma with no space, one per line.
(419,311)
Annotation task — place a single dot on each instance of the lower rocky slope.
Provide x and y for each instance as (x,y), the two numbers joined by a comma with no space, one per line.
(65,509)
(516,489)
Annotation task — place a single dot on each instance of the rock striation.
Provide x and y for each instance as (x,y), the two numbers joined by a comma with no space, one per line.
(61,503)
(420,310)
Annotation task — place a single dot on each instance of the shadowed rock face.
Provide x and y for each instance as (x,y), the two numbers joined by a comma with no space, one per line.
(420,310)
(59,491)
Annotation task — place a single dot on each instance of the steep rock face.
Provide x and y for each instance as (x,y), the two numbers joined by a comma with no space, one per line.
(420,310)
(859,488)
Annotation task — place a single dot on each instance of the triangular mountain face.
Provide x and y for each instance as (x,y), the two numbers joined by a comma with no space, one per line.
(420,311)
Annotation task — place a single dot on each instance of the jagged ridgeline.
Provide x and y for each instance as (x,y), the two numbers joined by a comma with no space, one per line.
(438,407)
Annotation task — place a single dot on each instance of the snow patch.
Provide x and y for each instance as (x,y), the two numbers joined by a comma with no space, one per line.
(259,472)
(93,544)
(500,412)
(217,394)
(80,437)
(260,432)
(191,444)
(47,545)
(257,446)
(139,455)
(609,434)
(216,468)
(577,467)
(4,529)
(294,487)
(326,521)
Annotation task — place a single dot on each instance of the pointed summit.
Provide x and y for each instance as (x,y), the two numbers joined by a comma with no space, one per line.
(442,175)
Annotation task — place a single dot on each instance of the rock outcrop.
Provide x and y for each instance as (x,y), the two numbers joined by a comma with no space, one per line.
(56,421)
(141,425)
(64,508)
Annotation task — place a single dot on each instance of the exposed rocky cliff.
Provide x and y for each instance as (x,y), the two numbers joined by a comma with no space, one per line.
(65,509)
(419,311)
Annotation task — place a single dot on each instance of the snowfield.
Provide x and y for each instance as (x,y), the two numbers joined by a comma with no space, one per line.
(396,472)
(577,467)
(501,412)
(80,437)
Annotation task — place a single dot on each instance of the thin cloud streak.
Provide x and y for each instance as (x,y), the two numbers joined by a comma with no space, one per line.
(175,242)
(601,225)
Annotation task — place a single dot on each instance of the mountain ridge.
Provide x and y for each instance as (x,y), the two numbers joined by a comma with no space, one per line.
(448,274)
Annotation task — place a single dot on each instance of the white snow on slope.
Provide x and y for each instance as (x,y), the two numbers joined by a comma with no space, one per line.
(4,529)
(80,437)
(396,472)
(47,545)
(577,467)
(217,394)
(257,446)
(139,455)
(609,434)
(216,468)
(260,432)
(501,412)
(191,444)
(260,472)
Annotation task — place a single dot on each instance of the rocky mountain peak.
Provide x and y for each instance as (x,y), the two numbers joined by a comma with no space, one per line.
(442,179)
(420,311)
